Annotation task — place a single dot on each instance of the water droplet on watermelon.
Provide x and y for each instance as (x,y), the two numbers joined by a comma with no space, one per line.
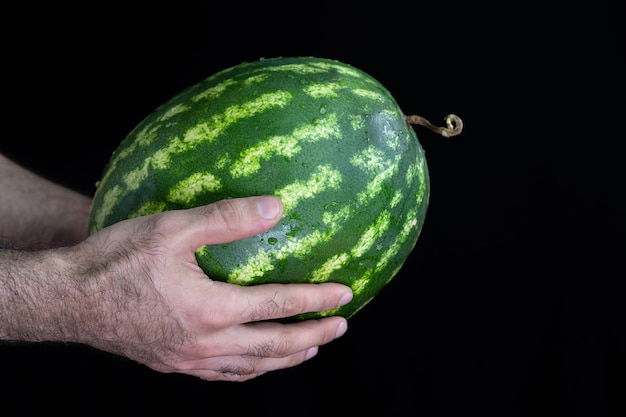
(323,109)
(272,240)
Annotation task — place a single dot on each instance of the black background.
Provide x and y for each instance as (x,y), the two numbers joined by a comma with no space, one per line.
(508,305)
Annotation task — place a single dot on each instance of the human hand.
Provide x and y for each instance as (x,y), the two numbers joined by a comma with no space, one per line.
(146,298)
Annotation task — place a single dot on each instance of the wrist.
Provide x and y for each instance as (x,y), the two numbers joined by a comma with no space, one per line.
(41,298)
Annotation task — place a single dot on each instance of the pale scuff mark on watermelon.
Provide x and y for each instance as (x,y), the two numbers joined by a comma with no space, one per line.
(392,140)
(334,263)
(189,188)
(287,146)
(322,179)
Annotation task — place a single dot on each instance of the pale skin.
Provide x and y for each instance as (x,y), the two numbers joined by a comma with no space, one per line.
(134,289)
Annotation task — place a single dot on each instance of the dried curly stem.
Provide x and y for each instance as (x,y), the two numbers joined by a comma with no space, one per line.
(454,124)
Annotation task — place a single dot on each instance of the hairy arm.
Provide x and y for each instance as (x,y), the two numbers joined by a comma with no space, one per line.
(39,300)
(36,213)
(135,289)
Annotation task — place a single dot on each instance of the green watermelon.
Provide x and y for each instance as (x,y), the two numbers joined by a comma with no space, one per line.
(325,137)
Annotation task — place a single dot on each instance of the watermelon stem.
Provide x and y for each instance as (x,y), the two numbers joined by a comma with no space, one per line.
(454,124)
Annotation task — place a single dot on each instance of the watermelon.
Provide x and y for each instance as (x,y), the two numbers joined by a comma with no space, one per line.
(325,137)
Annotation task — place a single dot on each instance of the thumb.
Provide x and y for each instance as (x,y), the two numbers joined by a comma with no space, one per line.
(233,219)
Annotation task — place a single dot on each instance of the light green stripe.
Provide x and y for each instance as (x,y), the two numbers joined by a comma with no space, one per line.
(322,179)
(285,146)
(260,263)
(151,207)
(357,121)
(372,234)
(214,91)
(109,200)
(397,197)
(331,265)
(143,137)
(337,217)
(186,190)
(174,111)
(207,131)
(361,283)
(408,227)
(298,69)
(255,267)
(369,94)
(342,69)
(212,128)
(323,90)
(372,161)
(256,79)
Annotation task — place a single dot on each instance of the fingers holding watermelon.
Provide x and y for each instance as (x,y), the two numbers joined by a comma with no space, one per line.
(173,318)
(269,346)
(238,218)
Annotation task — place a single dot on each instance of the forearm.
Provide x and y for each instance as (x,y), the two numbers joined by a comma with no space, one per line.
(38,299)
(78,294)
(37,213)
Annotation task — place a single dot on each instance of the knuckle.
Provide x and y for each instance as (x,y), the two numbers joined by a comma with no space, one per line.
(273,306)
(266,309)
(225,213)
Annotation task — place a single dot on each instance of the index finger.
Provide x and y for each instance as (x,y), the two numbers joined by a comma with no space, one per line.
(222,222)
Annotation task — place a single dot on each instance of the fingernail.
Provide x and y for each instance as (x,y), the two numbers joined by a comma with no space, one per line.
(345,299)
(311,352)
(268,207)
(341,329)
